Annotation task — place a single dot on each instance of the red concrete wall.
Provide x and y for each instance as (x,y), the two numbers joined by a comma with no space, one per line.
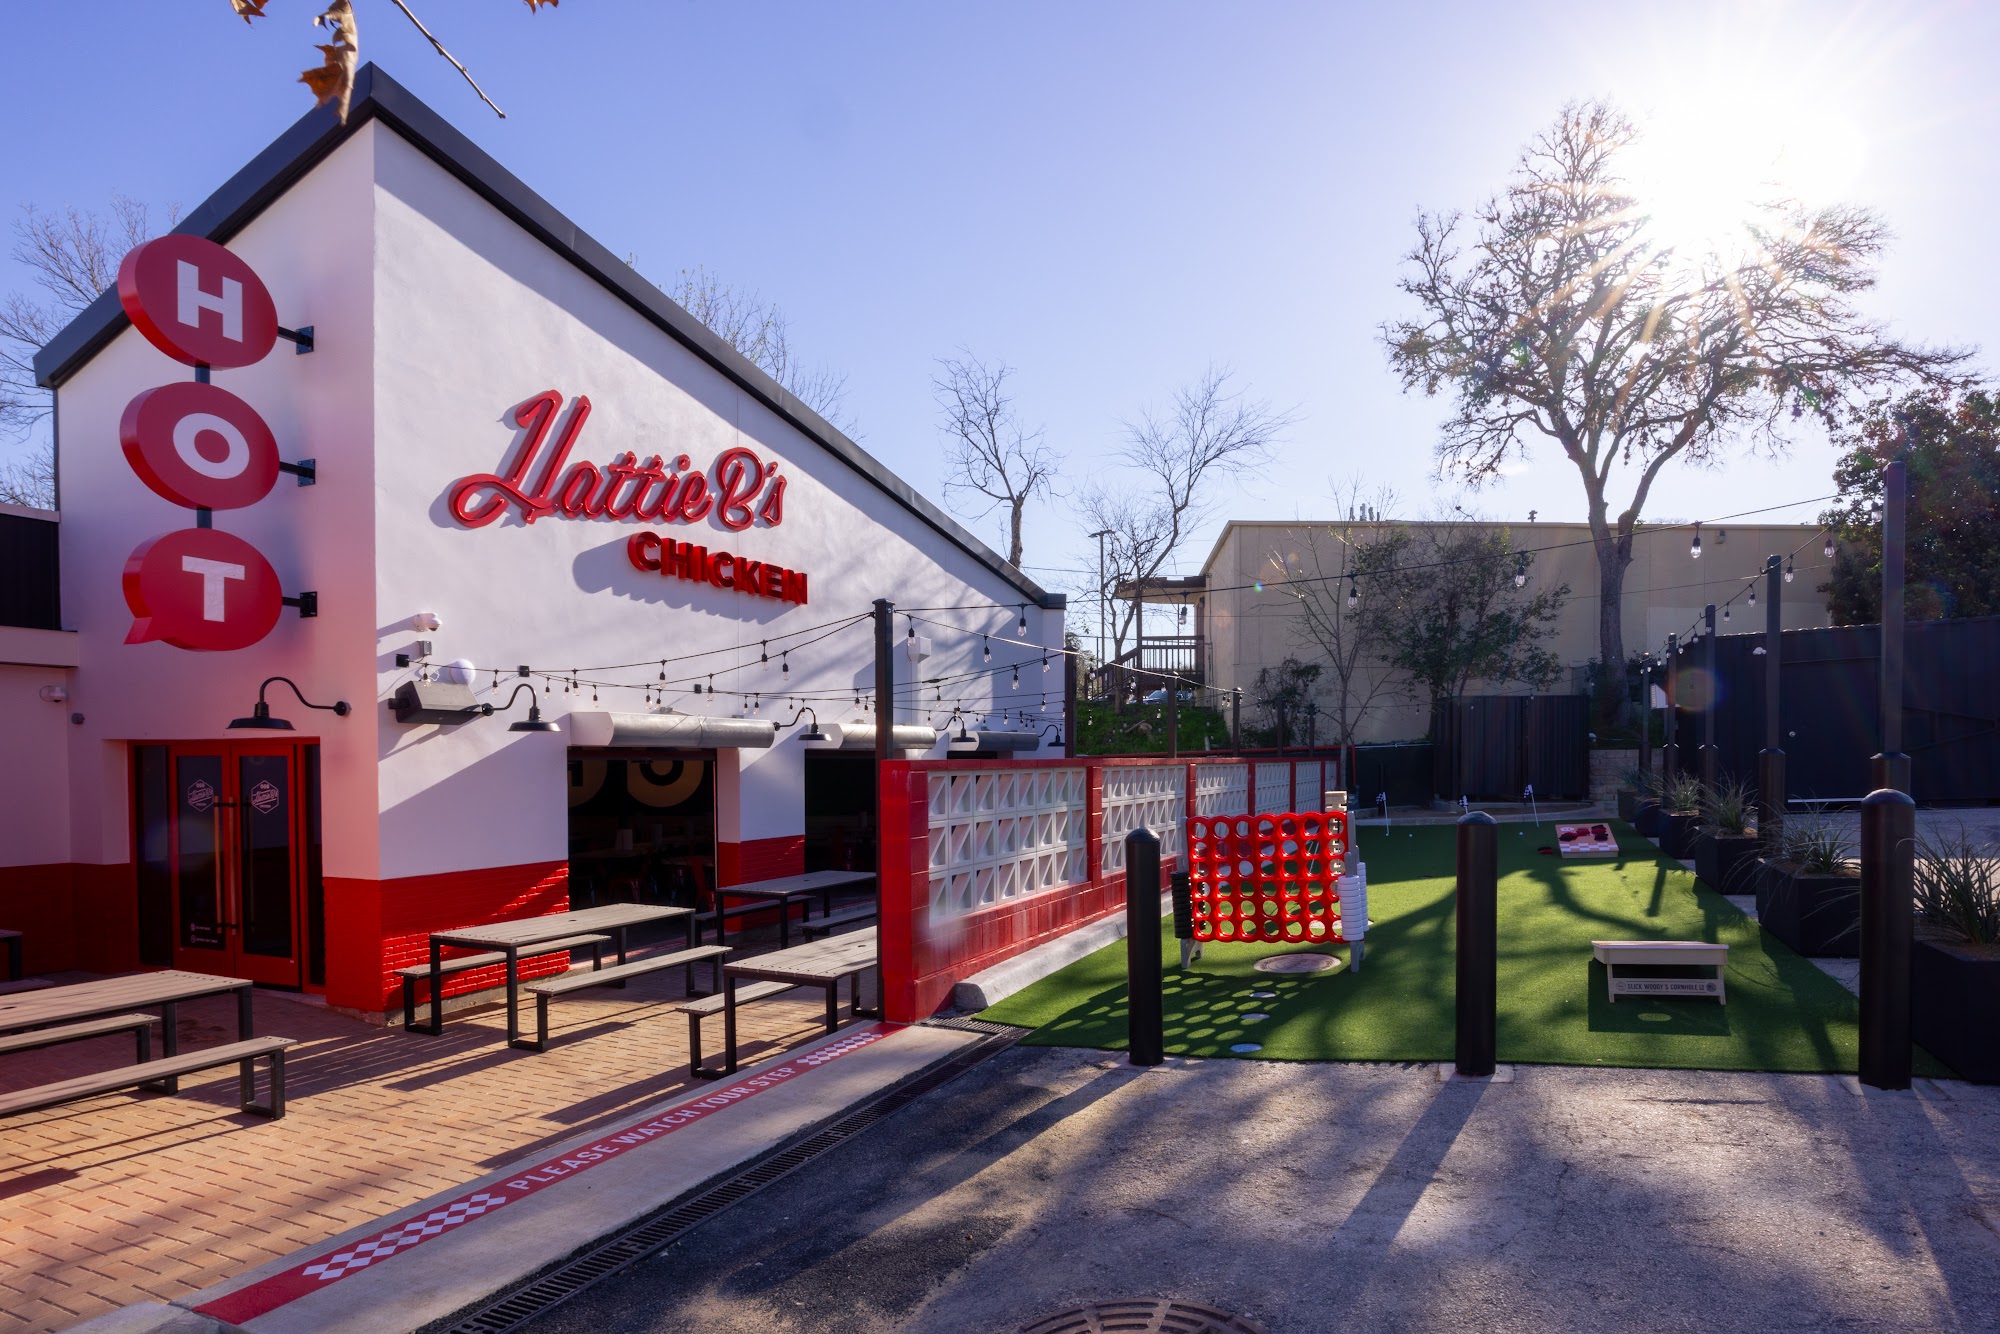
(759,859)
(72,916)
(374,927)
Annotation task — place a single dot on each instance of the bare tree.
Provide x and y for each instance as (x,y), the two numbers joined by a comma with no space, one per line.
(759,330)
(1207,435)
(1332,560)
(992,454)
(1568,319)
(74,257)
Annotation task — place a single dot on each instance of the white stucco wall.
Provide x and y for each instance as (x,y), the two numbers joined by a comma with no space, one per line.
(474,316)
(312,249)
(34,767)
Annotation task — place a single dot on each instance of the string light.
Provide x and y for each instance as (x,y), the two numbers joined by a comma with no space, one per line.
(1024,618)
(1828,549)
(663,669)
(1521,570)
(763,650)
(1353,593)
(1694,547)
(985,649)
(785,663)
(1045,664)
(913,630)
(1017,678)
(1753,593)
(1725,611)
(1788,569)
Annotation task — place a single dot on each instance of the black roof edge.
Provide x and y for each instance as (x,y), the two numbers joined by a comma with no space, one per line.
(378,97)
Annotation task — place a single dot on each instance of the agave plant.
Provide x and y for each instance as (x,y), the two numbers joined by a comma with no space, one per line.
(1958,886)
(1682,795)
(1727,808)
(1817,847)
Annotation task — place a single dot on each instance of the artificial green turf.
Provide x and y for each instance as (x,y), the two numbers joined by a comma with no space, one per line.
(1783,1013)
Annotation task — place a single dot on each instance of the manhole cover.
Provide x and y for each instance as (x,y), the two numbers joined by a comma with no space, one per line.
(1144,1315)
(1299,963)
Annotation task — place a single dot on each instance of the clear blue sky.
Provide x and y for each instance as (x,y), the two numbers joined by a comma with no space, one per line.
(1110,196)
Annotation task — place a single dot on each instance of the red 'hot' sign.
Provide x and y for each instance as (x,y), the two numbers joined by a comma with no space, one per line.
(197,302)
(200,446)
(200,588)
(739,490)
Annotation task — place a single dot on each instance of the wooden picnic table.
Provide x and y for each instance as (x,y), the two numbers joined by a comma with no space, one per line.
(510,938)
(786,890)
(116,995)
(821,964)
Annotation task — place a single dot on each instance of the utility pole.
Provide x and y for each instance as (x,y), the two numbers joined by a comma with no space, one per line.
(1103,596)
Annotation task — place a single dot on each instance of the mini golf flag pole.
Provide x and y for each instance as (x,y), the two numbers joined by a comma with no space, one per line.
(1382,800)
(1529,797)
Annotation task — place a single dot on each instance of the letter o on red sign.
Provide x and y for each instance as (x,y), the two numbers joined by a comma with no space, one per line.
(201,589)
(197,302)
(200,446)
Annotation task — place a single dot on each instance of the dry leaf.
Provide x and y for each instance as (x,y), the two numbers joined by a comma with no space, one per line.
(249,9)
(537,4)
(333,81)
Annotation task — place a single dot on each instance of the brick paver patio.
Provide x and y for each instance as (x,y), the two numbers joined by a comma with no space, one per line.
(135,1196)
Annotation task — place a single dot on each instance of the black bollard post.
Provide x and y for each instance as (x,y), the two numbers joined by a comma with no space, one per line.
(1145,1034)
(1888,885)
(1478,941)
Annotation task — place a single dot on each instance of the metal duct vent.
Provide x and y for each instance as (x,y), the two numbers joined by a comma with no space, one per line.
(443,702)
(996,741)
(903,736)
(672,731)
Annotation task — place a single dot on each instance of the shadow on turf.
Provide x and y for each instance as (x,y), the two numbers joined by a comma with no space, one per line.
(1681,1016)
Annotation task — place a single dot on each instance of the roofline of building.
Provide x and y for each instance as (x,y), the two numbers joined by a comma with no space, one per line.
(1642,528)
(318,133)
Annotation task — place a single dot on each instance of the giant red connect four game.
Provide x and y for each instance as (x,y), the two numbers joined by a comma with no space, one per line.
(1267,877)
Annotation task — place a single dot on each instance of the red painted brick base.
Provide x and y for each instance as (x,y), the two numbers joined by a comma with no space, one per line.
(72,916)
(759,859)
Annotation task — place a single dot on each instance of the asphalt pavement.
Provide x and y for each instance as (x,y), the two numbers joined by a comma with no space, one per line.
(1309,1197)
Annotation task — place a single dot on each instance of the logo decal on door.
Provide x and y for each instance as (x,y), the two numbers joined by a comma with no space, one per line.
(200,795)
(264,798)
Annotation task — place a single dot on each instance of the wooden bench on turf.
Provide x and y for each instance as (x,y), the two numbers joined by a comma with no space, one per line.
(244,1055)
(702,1008)
(820,926)
(556,987)
(418,972)
(1616,954)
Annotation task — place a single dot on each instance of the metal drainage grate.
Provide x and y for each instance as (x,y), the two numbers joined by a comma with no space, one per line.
(967,1024)
(663,1229)
(1144,1315)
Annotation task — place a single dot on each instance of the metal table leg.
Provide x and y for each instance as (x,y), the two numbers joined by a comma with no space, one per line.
(513,996)
(437,988)
(832,1004)
(618,933)
(170,1041)
(728,1022)
(246,1024)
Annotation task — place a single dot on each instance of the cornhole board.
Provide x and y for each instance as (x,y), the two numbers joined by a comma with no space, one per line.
(1616,954)
(1580,840)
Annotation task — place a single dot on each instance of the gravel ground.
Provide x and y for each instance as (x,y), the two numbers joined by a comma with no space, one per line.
(1312,1197)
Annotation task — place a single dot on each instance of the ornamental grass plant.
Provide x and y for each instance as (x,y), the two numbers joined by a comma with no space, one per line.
(1958,886)
(1727,808)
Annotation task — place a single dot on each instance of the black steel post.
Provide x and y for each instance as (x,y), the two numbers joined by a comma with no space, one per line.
(1236,720)
(885,678)
(1145,1031)
(1646,715)
(1069,704)
(1708,755)
(1173,716)
(1670,753)
(1892,766)
(1771,759)
(1888,884)
(1478,942)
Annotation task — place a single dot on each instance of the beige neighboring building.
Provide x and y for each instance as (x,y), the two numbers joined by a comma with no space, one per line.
(1239,628)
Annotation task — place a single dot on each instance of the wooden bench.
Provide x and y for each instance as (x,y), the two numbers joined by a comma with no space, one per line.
(1616,954)
(698,1010)
(244,1055)
(556,987)
(139,1025)
(419,972)
(820,926)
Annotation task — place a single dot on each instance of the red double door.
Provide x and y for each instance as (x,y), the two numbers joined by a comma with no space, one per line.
(242,820)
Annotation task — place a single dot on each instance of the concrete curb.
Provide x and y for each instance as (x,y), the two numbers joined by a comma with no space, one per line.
(467,1266)
(992,985)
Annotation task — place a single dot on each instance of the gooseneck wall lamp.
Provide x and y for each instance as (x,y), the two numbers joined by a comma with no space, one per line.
(812,733)
(260,717)
(534,722)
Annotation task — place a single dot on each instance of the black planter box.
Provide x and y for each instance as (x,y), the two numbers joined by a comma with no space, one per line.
(1650,820)
(1682,831)
(1628,805)
(1955,1005)
(1727,863)
(1817,915)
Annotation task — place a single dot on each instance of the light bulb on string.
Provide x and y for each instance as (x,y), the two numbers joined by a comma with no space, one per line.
(1694,547)
(785,663)
(985,649)
(1753,595)
(1521,570)
(1353,593)
(1017,679)
(763,650)
(1045,664)
(1023,627)
(1725,611)
(1828,549)
(912,636)
(663,669)
(1788,569)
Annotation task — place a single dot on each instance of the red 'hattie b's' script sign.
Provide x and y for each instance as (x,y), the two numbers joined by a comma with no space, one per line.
(739,490)
(199,445)
(197,302)
(202,589)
